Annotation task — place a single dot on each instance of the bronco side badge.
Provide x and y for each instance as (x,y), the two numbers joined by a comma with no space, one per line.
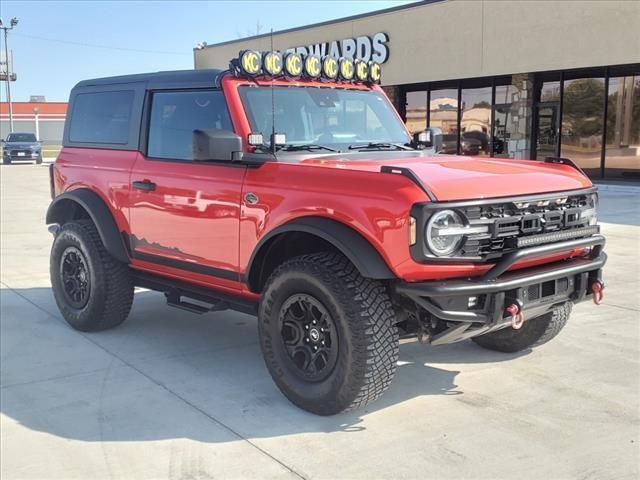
(251,198)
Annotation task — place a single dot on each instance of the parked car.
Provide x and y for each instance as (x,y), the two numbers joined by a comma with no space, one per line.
(21,146)
(468,146)
(264,193)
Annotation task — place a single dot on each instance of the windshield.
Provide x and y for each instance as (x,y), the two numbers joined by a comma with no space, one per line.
(335,118)
(21,137)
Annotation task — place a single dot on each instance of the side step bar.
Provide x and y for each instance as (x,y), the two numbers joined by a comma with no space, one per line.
(174,299)
(176,291)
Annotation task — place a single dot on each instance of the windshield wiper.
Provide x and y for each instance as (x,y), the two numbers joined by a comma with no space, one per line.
(307,146)
(379,146)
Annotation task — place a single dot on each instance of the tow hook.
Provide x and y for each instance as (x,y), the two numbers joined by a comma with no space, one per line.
(596,288)
(517,317)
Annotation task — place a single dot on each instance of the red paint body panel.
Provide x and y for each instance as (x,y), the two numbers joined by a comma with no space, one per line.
(197,213)
(461,178)
(191,216)
(106,172)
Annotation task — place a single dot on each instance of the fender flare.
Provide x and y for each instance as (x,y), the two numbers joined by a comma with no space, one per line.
(352,244)
(58,212)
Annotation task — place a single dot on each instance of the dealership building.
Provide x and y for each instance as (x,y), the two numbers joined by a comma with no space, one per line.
(516,79)
(44,119)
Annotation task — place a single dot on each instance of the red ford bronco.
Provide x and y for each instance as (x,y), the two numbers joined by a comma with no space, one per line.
(288,187)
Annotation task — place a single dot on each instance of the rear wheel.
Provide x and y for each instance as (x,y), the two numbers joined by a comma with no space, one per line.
(327,334)
(533,333)
(93,290)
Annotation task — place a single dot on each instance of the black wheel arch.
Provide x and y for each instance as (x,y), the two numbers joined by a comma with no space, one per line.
(334,234)
(65,207)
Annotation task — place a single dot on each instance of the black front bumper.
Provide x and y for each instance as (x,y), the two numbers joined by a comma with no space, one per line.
(536,290)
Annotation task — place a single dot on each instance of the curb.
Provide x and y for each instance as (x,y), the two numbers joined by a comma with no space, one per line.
(609,187)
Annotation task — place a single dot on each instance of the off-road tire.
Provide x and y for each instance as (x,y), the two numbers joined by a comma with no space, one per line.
(111,287)
(534,332)
(368,338)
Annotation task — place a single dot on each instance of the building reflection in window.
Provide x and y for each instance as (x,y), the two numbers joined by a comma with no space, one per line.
(443,114)
(550,92)
(475,123)
(416,111)
(512,123)
(583,122)
(622,154)
(548,120)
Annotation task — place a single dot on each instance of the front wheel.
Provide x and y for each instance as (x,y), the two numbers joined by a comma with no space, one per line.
(327,334)
(534,332)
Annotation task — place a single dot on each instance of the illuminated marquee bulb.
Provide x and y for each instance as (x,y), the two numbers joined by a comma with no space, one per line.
(362,70)
(374,72)
(272,63)
(312,66)
(346,68)
(330,67)
(293,64)
(250,62)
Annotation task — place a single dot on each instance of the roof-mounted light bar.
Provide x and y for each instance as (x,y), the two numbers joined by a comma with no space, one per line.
(273,64)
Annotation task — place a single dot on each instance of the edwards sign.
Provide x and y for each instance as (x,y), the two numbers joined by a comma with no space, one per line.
(367,48)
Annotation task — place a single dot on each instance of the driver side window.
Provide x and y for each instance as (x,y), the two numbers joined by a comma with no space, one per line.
(174,117)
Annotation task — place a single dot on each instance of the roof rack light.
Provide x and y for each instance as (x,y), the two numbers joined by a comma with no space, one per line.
(272,64)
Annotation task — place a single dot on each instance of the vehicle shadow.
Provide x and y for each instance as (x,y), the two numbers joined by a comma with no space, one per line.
(167,374)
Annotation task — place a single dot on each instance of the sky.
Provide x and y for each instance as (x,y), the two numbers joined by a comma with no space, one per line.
(58,43)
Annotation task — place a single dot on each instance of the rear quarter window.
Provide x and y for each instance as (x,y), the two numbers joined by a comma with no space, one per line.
(101,117)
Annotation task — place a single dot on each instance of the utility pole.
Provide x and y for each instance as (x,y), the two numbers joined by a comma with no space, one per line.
(36,112)
(13,23)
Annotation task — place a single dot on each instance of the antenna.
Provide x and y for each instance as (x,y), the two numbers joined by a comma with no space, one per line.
(273,109)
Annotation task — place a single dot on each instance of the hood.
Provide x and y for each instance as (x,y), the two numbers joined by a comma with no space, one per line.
(452,177)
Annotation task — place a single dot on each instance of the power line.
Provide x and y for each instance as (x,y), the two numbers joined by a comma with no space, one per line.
(93,45)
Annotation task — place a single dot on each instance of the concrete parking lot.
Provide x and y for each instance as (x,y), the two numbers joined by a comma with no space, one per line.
(175,395)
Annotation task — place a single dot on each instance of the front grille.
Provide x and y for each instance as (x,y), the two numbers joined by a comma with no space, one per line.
(517,224)
(14,153)
(533,292)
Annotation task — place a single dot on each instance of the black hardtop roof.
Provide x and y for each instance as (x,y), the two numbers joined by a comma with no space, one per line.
(169,79)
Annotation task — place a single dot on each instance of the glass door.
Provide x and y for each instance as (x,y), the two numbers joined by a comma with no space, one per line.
(548,129)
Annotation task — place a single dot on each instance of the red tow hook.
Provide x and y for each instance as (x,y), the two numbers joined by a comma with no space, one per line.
(596,288)
(517,317)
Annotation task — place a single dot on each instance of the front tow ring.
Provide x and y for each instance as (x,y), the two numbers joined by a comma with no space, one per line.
(597,288)
(517,317)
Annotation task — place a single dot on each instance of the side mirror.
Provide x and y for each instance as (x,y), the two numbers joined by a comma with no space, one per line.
(216,145)
(429,139)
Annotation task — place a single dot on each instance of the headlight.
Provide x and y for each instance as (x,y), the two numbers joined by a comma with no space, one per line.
(445,232)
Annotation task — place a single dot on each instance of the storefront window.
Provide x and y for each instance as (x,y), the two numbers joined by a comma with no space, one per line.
(475,125)
(550,92)
(622,154)
(548,120)
(512,123)
(416,111)
(443,114)
(583,122)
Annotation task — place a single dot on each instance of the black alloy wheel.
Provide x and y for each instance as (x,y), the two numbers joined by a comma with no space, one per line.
(75,277)
(310,337)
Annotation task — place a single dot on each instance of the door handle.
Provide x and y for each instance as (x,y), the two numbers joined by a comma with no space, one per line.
(145,185)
